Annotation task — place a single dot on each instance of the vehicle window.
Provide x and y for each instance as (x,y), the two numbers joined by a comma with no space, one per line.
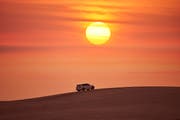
(86,84)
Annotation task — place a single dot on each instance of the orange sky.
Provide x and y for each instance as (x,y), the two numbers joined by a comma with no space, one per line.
(43,49)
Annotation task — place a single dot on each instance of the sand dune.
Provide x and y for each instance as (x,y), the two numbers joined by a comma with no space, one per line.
(143,103)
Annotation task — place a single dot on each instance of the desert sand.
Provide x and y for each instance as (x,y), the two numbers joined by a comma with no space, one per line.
(131,103)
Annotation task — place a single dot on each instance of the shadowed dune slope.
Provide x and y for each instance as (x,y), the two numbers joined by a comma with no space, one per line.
(133,103)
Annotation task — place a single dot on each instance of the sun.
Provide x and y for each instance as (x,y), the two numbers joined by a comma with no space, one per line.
(98,33)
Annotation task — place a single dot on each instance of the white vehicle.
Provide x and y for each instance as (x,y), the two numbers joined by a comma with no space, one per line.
(84,87)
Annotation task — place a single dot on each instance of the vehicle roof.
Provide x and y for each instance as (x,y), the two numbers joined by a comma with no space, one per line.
(84,84)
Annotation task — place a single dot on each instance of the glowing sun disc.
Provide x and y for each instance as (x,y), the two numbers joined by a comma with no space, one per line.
(98,33)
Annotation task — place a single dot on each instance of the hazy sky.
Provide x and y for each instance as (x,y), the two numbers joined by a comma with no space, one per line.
(44,51)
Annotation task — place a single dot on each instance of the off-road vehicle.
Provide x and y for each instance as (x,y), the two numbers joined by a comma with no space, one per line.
(84,87)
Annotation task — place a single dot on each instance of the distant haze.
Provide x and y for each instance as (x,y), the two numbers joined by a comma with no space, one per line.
(43,48)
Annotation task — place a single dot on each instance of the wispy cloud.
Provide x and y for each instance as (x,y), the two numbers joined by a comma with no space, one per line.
(45,16)
(23,17)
